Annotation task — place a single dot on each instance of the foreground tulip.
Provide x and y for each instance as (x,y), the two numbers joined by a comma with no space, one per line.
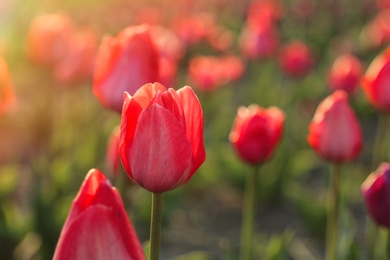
(345,73)
(375,82)
(376,193)
(125,63)
(6,93)
(335,133)
(256,133)
(97,226)
(161,141)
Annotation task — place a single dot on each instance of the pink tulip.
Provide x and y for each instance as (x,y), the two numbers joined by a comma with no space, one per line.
(376,193)
(256,132)
(161,141)
(335,133)
(345,73)
(125,63)
(375,82)
(97,226)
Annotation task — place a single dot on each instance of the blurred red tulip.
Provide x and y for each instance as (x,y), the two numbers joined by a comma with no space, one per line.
(97,226)
(233,67)
(376,193)
(296,59)
(256,132)
(168,43)
(220,39)
(345,73)
(161,141)
(259,10)
(375,82)
(6,93)
(78,62)
(335,133)
(383,4)
(125,63)
(206,72)
(48,38)
(259,40)
(112,155)
(377,31)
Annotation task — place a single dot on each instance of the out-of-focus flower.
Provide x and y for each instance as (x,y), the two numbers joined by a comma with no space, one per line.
(345,73)
(112,155)
(256,132)
(376,193)
(295,59)
(260,10)
(259,40)
(383,4)
(220,38)
(161,140)
(377,31)
(125,63)
(48,38)
(335,133)
(210,72)
(168,43)
(97,226)
(376,80)
(78,62)
(6,93)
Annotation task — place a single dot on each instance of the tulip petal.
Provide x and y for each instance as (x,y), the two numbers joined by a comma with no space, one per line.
(194,125)
(146,93)
(159,140)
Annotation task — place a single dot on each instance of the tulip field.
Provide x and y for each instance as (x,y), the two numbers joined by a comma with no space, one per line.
(195,130)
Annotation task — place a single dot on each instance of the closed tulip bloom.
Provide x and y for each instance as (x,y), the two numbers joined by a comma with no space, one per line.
(125,63)
(256,132)
(161,140)
(375,82)
(295,59)
(335,133)
(345,73)
(6,93)
(376,193)
(97,226)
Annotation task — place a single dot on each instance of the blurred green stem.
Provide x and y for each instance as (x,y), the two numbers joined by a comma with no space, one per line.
(155,226)
(388,245)
(333,213)
(248,215)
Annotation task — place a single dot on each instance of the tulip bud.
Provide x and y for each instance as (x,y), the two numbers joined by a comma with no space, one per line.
(296,59)
(161,140)
(125,63)
(345,73)
(376,193)
(256,132)
(375,82)
(97,226)
(335,133)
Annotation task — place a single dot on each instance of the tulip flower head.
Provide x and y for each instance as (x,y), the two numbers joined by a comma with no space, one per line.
(375,82)
(125,63)
(376,193)
(256,132)
(295,59)
(345,73)
(335,133)
(97,226)
(161,140)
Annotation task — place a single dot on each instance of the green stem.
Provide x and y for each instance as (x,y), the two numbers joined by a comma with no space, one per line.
(388,245)
(248,215)
(333,214)
(155,226)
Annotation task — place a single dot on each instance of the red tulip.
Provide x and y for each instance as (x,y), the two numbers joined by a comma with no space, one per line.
(125,63)
(48,37)
(376,193)
(375,82)
(259,40)
(112,155)
(6,94)
(376,32)
(296,59)
(256,132)
(335,133)
(97,226)
(345,73)
(265,9)
(161,141)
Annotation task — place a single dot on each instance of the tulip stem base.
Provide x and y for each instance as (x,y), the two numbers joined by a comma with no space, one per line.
(155,226)
(248,216)
(332,233)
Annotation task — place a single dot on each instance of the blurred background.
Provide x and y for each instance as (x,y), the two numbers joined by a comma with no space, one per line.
(53,130)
